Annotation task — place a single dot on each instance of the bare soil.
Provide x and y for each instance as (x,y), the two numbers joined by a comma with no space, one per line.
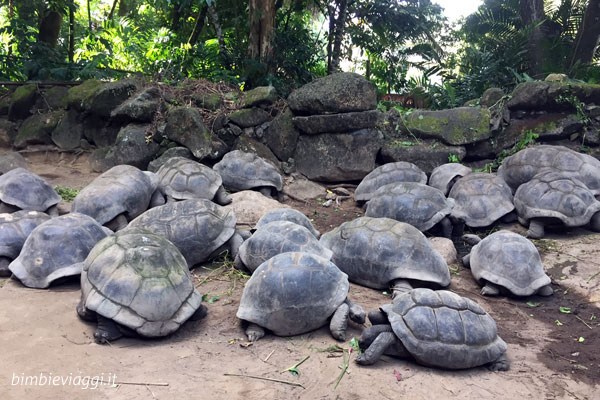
(40,333)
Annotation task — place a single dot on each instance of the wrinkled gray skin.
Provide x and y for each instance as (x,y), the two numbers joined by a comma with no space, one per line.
(14,229)
(137,283)
(481,199)
(199,228)
(553,197)
(56,249)
(118,196)
(275,238)
(527,163)
(400,171)
(437,329)
(446,175)
(181,179)
(506,260)
(24,190)
(380,253)
(415,203)
(294,293)
(287,214)
(242,171)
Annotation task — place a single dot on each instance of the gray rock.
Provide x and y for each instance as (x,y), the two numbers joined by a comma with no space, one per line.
(130,148)
(262,95)
(302,189)
(445,248)
(333,123)
(111,95)
(98,131)
(456,126)
(184,152)
(184,125)
(491,97)
(8,131)
(208,101)
(426,155)
(11,160)
(51,99)
(37,129)
(249,117)
(142,107)
(22,99)
(563,129)
(529,96)
(338,156)
(336,93)
(282,136)
(68,132)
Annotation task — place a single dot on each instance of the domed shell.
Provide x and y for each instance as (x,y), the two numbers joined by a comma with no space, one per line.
(554,194)
(15,228)
(375,251)
(287,214)
(184,179)
(241,171)
(279,237)
(139,280)
(400,171)
(27,191)
(509,260)
(441,177)
(525,164)
(414,203)
(481,198)
(123,189)
(293,293)
(197,227)
(56,249)
(442,329)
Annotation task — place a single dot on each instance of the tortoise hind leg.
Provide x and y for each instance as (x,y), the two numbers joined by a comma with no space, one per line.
(200,313)
(490,289)
(376,349)
(545,291)
(254,332)
(84,313)
(266,191)
(447,227)
(221,197)
(339,322)
(501,364)
(536,229)
(107,330)
(595,222)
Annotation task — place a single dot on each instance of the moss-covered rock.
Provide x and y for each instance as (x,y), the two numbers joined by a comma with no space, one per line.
(78,97)
(282,136)
(142,107)
(21,101)
(249,117)
(208,101)
(111,95)
(8,131)
(456,126)
(249,145)
(37,129)
(68,132)
(427,154)
(262,95)
(539,95)
(184,125)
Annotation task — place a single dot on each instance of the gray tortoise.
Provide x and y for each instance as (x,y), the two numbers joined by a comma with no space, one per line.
(525,164)
(14,230)
(553,197)
(437,329)
(507,261)
(380,253)
(400,171)
(24,190)
(199,228)
(118,196)
(294,293)
(241,171)
(445,176)
(275,238)
(56,249)
(287,214)
(415,203)
(181,179)
(137,283)
(481,199)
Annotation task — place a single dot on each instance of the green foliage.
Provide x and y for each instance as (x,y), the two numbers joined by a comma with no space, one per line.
(578,105)
(66,193)
(453,158)
(528,139)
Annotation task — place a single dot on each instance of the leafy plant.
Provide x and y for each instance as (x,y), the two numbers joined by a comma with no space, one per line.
(66,193)
(453,158)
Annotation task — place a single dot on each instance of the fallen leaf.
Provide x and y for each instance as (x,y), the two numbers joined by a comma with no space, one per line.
(246,344)
(397,375)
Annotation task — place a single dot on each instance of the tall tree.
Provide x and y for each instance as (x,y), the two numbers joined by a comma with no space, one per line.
(339,25)
(532,13)
(588,35)
(49,28)
(262,30)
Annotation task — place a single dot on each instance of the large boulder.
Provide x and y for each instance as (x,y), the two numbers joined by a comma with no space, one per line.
(333,123)
(491,97)
(538,95)
(282,136)
(141,107)
(259,96)
(21,101)
(336,93)
(99,131)
(249,117)
(68,132)
(8,131)
(78,97)
(338,156)
(131,147)
(110,95)
(302,189)
(37,129)
(425,155)
(456,126)
(184,126)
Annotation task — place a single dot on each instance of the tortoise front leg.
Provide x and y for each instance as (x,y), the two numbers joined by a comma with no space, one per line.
(536,229)
(378,317)
(221,197)
(369,335)
(4,271)
(376,349)
(400,286)
(84,313)
(447,227)
(200,313)
(117,223)
(501,364)
(490,289)
(107,330)
(356,312)
(254,332)
(339,322)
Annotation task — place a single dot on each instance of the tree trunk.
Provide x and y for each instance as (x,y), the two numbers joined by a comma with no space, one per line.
(125,7)
(49,29)
(199,25)
(532,12)
(262,30)
(89,10)
(11,13)
(339,36)
(368,68)
(212,11)
(331,12)
(112,10)
(71,32)
(588,35)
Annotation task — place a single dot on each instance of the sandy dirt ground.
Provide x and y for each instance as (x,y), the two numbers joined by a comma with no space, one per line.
(41,335)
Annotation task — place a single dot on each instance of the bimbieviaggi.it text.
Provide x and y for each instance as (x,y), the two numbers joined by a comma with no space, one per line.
(48,379)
